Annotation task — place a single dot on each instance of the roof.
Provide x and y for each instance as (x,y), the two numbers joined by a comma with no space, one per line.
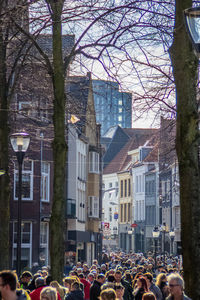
(45,42)
(138,138)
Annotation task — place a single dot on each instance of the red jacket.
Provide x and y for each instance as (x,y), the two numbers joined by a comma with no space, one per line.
(35,295)
(86,288)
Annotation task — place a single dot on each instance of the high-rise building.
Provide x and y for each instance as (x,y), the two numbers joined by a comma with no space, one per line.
(112,106)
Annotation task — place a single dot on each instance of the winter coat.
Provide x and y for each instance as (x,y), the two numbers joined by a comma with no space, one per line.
(184,297)
(95,290)
(75,295)
(87,285)
(156,291)
(128,290)
(138,293)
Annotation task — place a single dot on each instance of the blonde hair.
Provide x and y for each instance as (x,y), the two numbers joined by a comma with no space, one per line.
(49,292)
(61,289)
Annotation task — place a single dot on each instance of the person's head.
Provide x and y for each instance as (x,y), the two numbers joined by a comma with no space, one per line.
(149,278)
(48,293)
(90,277)
(68,282)
(176,284)
(40,281)
(118,276)
(142,283)
(95,262)
(148,296)
(75,286)
(44,273)
(8,279)
(101,278)
(26,276)
(108,294)
(107,285)
(111,278)
(119,289)
(162,277)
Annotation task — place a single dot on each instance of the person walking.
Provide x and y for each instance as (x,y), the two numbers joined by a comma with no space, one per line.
(95,288)
(8,287)
(140,288)
(176,287)
(49,293)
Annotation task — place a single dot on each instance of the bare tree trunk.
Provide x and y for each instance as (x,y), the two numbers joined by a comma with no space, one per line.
(4,179)
(59,149)
(187,145)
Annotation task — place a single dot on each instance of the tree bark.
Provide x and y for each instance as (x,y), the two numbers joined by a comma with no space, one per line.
(57,220)
(4,179)
(185,65)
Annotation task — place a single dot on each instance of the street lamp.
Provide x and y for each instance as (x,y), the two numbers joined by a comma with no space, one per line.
(192,21)
(20,142)
(156,234)
(172,235)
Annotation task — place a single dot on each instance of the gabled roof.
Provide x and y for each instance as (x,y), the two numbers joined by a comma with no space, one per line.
(122,160)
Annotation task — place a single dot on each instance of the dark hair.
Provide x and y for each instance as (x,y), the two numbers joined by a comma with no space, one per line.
(111,278)
(100,276)
(118,286)
(118,272)
(10,278)
(149,276)
(39,282)
(75,285)
(148,296)
(26,274)
(144,283)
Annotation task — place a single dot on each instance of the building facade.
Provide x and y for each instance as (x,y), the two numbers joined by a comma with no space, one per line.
(112,106)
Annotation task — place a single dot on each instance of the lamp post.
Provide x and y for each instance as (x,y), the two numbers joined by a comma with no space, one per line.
(20,143)
(172,235)
(192,21)
(156,234)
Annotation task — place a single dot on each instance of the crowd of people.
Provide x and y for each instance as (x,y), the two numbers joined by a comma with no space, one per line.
(119,277)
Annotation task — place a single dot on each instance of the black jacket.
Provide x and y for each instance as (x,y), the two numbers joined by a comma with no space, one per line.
(95,290)
(75,295)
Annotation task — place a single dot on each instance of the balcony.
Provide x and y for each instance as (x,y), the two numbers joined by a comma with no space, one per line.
(70,212)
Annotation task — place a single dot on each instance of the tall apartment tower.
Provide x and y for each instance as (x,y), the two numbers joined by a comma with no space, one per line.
(112,106)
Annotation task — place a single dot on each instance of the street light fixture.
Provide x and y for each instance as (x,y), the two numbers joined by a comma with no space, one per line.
(172,235)
(192,21)
(156,234)
(20,142)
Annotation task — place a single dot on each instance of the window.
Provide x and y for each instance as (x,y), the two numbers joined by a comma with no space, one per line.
(26,245)
(129,212)
(110,184)
(122,192)
(125,188)
(44,233)
(137,185)
(125,212)
(81,205)
(94,162)
(121,212)
(93,207)
(27,181)
(129,187)
(24,107)
(45,182)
